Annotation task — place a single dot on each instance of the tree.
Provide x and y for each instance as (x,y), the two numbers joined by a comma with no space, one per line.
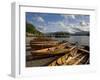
(30,28)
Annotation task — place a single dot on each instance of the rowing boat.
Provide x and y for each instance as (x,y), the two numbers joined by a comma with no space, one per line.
(80,57)
(59,49)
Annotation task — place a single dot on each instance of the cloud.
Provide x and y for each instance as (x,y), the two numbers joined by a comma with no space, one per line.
(69,16)
(67,28)
(40,19)
(29,21)
(69,19)
(64,24)
(61,26)
(83,23)
(41,28)
(73,16)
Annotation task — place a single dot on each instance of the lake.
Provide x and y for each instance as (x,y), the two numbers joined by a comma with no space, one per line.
(82,40)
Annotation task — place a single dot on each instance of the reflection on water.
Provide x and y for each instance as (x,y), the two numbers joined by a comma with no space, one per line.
(82,40)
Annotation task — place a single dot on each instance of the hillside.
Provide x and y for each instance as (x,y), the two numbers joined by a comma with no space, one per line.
(32,30)
(57,34)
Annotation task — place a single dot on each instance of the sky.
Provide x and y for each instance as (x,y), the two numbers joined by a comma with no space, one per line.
(51,22)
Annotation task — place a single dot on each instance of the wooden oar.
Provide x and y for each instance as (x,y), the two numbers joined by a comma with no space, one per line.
(77,62)
(86,51)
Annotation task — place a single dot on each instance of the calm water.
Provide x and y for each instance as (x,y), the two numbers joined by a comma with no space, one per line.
(82,40)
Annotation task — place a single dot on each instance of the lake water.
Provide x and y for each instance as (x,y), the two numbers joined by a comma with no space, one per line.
(82,40)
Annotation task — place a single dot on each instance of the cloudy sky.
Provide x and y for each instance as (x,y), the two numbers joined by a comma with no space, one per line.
(48,22)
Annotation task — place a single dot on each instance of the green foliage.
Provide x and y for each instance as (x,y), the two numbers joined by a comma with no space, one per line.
(61,33)
(31,29)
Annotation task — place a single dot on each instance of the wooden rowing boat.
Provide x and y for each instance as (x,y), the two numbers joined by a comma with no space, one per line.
(59,49)
(44,44)
(80,57)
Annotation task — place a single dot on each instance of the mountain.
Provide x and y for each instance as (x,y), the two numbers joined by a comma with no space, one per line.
(67,34)
(57,34)
(32,30)
(81,33)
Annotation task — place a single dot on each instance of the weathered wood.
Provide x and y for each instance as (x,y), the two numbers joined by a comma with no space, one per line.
(62,59)
(73,51)
(81,49)
(52,64)
(27,45)
(87,62)
(31,57)
(77,62)
(67,61)
(53,50)
(85,51)
(59,61)
(66,53)
(28,48)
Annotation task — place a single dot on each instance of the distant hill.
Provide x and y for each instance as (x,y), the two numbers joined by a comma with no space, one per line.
(81,33)
(32,30)
(66,34)
(57,34)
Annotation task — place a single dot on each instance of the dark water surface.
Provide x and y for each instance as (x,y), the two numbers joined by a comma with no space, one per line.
(82,40)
